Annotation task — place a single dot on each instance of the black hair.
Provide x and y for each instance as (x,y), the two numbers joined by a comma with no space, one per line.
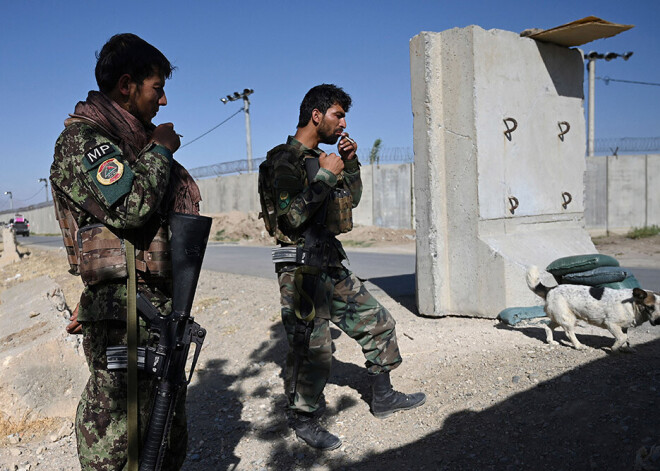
(129,54)
(321,98)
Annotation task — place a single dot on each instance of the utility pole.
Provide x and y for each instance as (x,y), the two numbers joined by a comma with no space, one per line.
(591,67)
(246,107)
(11,200)
(45,180)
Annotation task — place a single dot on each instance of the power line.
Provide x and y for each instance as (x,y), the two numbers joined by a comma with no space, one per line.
(31,197)
(212,129)
(607,80)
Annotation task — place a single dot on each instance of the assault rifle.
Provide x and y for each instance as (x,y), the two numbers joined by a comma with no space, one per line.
(177,331)
(314,258)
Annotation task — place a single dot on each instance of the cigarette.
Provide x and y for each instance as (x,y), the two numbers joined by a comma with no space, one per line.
(350,140)
(180,135)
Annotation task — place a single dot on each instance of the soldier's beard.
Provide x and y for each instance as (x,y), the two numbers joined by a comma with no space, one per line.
(327,138)
(331,139)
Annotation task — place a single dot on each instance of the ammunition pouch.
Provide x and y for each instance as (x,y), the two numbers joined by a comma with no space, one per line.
(103,256)
(97,254)
(340,211)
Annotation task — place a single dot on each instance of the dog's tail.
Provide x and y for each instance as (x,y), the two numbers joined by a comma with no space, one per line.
(534,282)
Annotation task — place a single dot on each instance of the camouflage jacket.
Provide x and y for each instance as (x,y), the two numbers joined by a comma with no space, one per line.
(299,200)
(90,171)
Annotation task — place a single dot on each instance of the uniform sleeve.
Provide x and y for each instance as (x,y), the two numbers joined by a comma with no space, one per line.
(297,201)
(91,170)
(352,179)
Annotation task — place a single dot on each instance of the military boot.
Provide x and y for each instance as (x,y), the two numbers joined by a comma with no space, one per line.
(385,400)
(308,429)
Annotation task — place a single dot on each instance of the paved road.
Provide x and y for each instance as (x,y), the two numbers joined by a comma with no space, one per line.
(393,273)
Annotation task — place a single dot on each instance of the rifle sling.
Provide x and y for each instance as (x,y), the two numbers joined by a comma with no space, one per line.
(132,334)
(299,292)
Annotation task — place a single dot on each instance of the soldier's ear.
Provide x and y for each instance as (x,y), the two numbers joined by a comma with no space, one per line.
(125,85)
(317,116)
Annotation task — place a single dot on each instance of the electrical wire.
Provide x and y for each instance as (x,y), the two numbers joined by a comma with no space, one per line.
(607,80)
(33,196)
(212,129)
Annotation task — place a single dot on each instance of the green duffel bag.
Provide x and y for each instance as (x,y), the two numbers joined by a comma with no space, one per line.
(596,277)
(629,282)
(578,263)
(514,315)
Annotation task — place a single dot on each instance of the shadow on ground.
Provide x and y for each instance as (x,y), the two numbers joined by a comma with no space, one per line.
(401,288)
(594,417)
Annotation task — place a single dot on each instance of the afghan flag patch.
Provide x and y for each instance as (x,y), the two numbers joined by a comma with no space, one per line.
(109,171)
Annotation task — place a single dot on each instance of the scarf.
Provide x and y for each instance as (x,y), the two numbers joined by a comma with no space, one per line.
(183,195)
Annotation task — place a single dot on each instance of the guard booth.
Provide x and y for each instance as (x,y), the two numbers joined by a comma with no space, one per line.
(499,135)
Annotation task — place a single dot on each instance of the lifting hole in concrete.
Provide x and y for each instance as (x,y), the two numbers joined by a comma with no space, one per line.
(564,127)
(509,130)
(513,201)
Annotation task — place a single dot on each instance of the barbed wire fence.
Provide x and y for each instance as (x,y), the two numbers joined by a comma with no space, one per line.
(400,155)
(621,145)
(387,155)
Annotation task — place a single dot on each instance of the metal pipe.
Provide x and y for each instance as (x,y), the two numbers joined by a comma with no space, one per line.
(592,107)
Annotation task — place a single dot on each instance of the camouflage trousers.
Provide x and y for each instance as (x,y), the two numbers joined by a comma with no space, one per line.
(347,304)
(101,415)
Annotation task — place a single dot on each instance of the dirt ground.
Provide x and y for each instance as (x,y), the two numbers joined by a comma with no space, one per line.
(499,398)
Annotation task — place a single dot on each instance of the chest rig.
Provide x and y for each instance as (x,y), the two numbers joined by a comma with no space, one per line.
(98,254)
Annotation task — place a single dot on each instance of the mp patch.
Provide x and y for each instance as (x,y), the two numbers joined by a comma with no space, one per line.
(109,171)
(100,153)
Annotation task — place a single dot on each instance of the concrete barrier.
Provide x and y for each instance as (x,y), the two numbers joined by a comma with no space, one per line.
(492,172)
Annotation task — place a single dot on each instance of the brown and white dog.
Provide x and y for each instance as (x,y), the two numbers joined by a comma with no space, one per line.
(613,309)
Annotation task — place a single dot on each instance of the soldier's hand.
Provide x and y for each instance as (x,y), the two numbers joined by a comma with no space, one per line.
(74,326)
(331,162)
(165,136)
(347,147)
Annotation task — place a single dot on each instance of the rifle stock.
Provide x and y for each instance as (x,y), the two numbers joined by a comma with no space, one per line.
(167,361)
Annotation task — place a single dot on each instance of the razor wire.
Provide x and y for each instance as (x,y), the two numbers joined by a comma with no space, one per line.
(389,155)
(628,144)
(386,155)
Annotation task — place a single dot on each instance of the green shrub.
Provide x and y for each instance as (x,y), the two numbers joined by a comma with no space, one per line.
(220,236)
(646,231)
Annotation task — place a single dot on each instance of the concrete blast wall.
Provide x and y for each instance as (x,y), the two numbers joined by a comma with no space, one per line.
(386,199)
(488,204)
(622,192)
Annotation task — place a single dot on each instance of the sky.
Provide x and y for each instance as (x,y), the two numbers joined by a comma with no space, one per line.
(279,49)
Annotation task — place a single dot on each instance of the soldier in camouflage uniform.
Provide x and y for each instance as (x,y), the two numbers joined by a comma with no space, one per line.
(343,299)
(113,170)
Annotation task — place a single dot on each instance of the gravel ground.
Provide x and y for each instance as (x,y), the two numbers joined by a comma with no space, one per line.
(498,397)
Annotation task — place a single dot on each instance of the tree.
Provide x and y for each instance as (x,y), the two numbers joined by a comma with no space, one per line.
(375,149)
